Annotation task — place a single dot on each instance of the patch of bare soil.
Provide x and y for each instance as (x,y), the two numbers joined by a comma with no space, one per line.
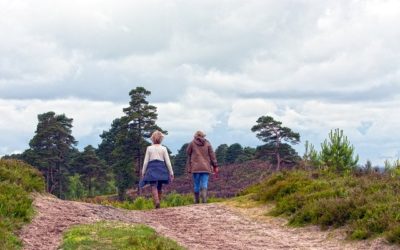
(210,226)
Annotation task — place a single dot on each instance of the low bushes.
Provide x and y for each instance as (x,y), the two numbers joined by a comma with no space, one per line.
(17,180)
(369,204)
(142,203)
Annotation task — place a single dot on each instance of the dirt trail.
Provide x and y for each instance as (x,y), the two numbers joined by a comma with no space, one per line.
(221,227)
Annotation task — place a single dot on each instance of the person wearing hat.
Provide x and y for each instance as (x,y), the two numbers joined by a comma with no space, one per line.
(157,168)
(201,163)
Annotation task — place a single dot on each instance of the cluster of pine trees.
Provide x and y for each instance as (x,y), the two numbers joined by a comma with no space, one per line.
(114,166)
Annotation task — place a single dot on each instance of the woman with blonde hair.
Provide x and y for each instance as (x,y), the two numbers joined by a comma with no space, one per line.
(201,163)
(157,168)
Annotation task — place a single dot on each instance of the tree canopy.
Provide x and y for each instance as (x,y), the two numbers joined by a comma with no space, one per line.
(337,152)
(124,145)
(180,160)
(49,149)
(220,153)
(93,172)
(233,152)
(272,132)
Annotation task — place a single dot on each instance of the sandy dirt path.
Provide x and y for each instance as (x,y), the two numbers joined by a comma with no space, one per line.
(210,226)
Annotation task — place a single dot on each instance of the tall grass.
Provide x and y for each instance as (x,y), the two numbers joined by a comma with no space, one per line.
(17,180)
(368,204)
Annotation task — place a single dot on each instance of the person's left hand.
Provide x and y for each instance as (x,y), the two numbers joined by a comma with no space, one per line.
(171,177)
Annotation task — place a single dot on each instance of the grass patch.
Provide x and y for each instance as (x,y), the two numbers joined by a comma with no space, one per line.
(244,201)
(368,204)
(107,236)
(17,180)
(142,203)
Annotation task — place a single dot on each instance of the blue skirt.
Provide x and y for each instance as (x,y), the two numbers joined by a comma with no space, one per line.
(156,171)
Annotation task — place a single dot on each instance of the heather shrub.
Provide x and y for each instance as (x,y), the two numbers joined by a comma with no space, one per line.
(15,202)
(368,204)
(393,235)
(21,174)
(17,180)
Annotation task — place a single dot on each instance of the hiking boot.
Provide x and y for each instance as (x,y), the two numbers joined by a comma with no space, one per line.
(196,198)
(203,194)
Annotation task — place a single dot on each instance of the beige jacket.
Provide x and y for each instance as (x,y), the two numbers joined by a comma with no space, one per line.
(201,156)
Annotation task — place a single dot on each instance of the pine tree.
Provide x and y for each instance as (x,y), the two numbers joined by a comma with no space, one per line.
(272,132)
(233,152)
(124,145)
(247,154)
(311,156)
(180,160)
(220,153)
(93,172)
(337,153)
(50,148)
(109,142)
(141,118)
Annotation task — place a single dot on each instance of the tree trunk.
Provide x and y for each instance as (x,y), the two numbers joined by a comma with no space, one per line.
(59,180)
(51,184)
(138,167)
(278,161)
(48,180)
(90,186)
(278,156)
(121,194)
(139,156)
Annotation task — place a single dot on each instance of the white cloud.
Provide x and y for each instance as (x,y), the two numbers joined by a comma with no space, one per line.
(212,65)
(246,112)
(19,119)
(197,109)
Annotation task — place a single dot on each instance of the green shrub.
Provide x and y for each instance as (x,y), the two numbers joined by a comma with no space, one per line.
(289,205)
(21,174)
(360,234)
(76,189)
(176,200)
(141,203)
(393,236)
(15,202)
(17,180)
(369,204)
(7,239)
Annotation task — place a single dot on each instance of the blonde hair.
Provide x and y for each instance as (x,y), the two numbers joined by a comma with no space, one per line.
(199,134)
(157,137)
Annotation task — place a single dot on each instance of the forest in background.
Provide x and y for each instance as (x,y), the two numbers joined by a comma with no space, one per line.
(114,165)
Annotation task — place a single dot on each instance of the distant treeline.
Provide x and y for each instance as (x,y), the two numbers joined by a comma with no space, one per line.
(114,166)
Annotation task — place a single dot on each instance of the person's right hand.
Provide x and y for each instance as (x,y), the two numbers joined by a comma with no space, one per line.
(215,172)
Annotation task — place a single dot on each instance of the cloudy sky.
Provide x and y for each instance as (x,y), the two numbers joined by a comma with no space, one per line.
(211,65)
